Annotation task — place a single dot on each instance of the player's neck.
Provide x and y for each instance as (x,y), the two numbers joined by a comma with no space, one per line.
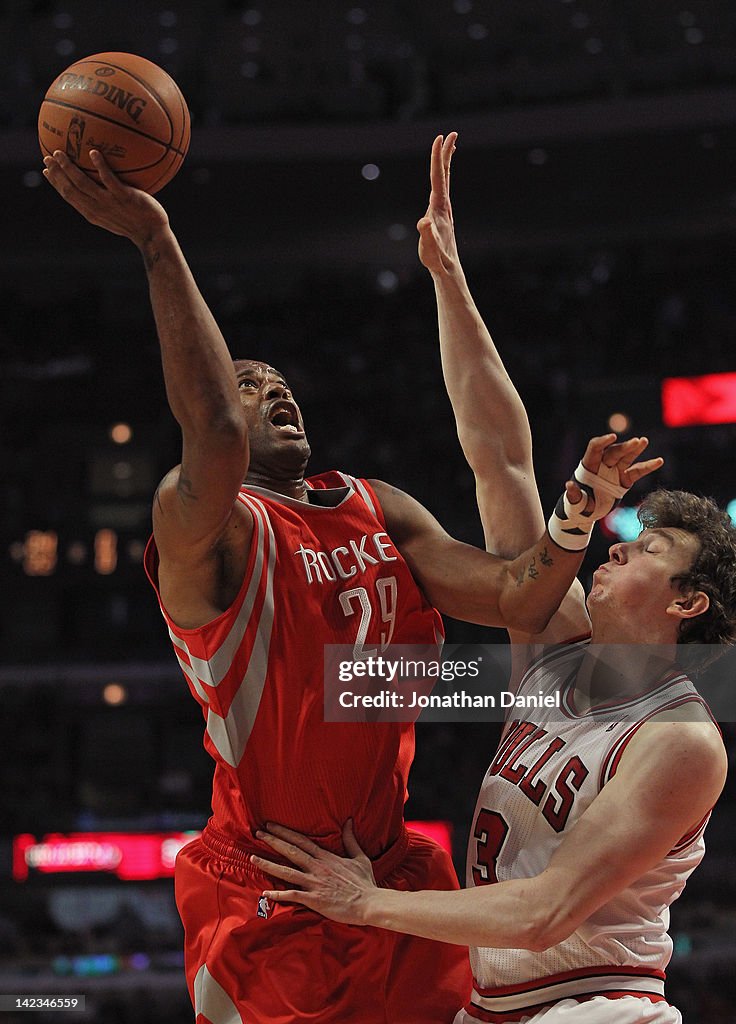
(291,487)
(617,671)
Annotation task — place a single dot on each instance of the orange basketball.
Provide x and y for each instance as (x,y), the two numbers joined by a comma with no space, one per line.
(126,107)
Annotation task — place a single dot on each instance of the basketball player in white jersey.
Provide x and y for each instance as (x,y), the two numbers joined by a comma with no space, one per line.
(591,817)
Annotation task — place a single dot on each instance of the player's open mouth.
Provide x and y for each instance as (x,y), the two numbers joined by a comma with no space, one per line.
(284,418)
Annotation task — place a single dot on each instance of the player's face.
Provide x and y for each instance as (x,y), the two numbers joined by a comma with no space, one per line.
(635,586)
(275,427)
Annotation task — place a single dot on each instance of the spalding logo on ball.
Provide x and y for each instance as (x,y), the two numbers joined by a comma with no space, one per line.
(125,106)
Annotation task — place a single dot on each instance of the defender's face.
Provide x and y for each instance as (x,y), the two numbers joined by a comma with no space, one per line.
(275,425)
(637,580)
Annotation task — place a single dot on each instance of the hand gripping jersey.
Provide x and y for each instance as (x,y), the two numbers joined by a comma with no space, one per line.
(319,572)
(548,768)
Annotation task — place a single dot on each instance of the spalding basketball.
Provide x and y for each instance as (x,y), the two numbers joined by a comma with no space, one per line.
(126,107)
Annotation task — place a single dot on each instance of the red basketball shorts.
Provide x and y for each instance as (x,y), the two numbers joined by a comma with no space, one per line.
(294,965)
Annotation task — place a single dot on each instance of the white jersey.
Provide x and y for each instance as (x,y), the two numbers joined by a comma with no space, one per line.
(550,765)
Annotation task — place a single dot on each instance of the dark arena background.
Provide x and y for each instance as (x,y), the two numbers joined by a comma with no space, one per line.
(594,190)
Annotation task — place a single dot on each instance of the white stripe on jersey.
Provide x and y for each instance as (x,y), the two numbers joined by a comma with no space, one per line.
(186,667)
(363,492)
(213,670)
(231,733)
(355,485)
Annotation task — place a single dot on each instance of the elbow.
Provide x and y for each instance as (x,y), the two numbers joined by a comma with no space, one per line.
(474,443)
(230,433)
(548,928)
(546,912)
(524,615)
(208,407)
(540,940)
(232,426)
(225,426)
(490,445)
(533,622)
(482,449)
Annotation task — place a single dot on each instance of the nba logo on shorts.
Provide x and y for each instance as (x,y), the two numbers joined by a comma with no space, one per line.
(264,907)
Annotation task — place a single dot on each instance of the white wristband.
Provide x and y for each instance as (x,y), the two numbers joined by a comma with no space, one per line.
(569,525)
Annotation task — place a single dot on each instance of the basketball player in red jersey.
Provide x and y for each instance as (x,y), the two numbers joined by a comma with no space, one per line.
(591,817)
(254,579)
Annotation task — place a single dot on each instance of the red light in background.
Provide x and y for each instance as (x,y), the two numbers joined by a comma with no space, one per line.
(440,831)
(698,401)
(133,856)
(130,856)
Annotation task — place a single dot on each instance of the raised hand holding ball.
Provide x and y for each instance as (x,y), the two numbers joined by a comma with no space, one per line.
(126,107)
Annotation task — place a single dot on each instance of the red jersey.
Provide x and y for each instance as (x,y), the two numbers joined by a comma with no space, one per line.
(322,571)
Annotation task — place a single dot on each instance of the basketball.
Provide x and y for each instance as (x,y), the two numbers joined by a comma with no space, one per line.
(125,106)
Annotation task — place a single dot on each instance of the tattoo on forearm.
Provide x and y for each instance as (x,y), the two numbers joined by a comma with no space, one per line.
(185,488)
(532,571)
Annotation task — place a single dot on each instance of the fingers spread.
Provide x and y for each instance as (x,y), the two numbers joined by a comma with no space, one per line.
(599,444)
(642,469)
(594,451)
(619,456)
(624,453)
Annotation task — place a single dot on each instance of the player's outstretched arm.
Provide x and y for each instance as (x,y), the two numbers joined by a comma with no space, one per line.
(628,829)
(492,423)
(194,502)
(521,593)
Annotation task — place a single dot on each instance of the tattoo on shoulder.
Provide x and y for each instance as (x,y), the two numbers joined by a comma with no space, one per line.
(157,499)
(520,576)
(532,570)
(185,488)
(545,558)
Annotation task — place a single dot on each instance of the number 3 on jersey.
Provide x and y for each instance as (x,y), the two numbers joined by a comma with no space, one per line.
(358,599)
(490,834)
